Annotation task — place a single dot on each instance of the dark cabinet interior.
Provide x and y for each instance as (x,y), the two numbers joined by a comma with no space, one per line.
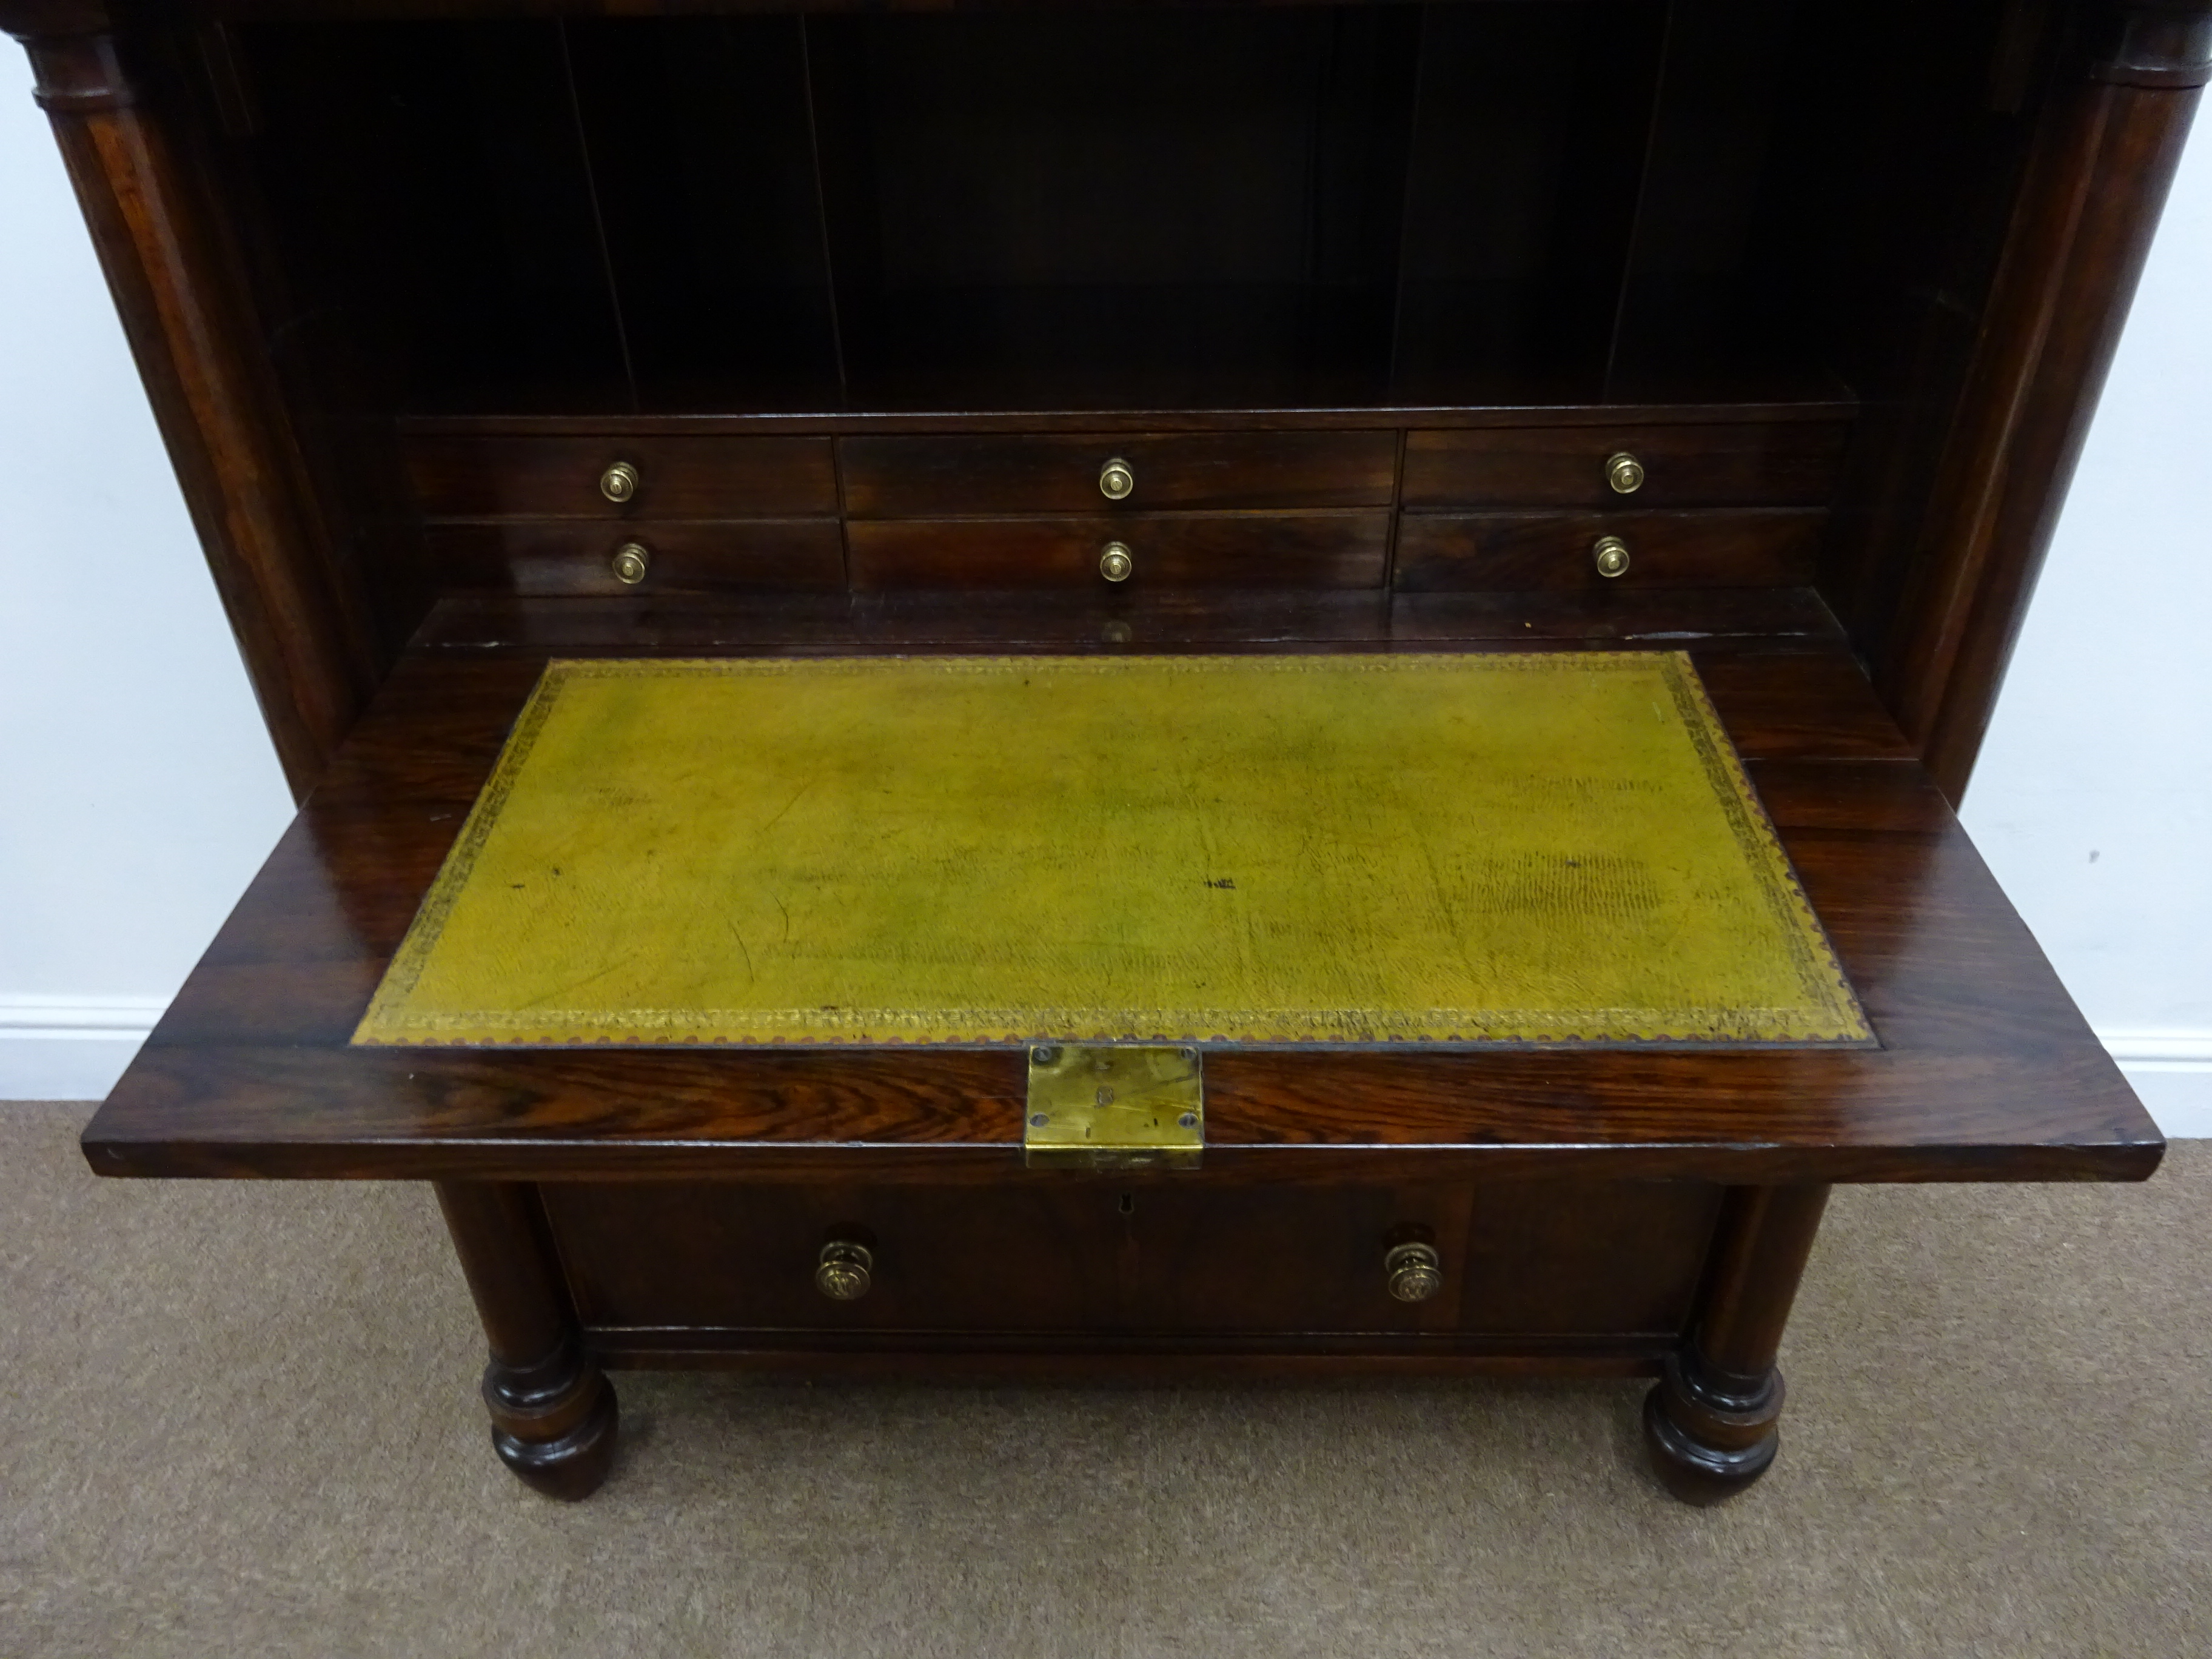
(1502,201)
(1757,238)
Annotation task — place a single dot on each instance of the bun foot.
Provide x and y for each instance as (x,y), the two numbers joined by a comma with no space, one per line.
(553,1423)
(1710,1436)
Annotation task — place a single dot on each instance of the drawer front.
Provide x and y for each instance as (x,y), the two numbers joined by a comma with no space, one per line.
(1508,552)
(1255,551)
(951,476)
(1075,1255)
(704,478)
(573,556)
(1777,463)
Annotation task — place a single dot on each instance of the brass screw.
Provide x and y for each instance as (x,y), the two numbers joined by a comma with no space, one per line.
(630,563)
(1610,555)
(1116,480)
(1624,472)
(845,1271)
(619,481)
(1414,1274)
(1117,562)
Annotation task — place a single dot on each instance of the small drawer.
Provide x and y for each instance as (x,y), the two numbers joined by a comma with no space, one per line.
(773,555)
(948,476)
(1511,552)
(471,477)
(1085,1257)
(1164,549)
(1772,464)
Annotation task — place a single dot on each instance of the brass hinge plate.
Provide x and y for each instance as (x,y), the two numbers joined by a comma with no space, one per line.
(1110,1107)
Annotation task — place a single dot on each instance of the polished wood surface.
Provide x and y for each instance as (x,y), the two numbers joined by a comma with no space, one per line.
(542,556)
(963,477)
(1367,297)
(553,1414)
(1247,550)
(1783,464)
(1537,1260)
(1710,1424)
(486,476)
(1523,552)
(1985,1070)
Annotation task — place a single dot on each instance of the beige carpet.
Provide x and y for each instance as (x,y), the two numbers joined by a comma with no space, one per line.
(240,1420)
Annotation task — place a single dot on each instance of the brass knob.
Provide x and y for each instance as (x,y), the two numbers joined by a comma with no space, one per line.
(844,1273)
(1624,472)
(1414,1272)
(1117,562)
(630,563)
(1115,481)
(619,481)
(1610,555)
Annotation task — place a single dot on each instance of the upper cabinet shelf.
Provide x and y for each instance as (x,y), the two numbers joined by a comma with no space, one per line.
(1263,208)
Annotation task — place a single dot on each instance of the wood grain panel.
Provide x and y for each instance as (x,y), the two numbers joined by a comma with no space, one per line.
(684,556)
(963,476)
(495,475)
(1171,549)
(1504,552)
(1091,1253)
(1782,463)
(1108,619)
(1986,1071)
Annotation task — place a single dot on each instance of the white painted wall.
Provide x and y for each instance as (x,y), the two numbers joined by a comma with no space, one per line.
(138,792)
(2092,799)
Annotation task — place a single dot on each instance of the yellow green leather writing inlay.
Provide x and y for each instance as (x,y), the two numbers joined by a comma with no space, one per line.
(1281,850)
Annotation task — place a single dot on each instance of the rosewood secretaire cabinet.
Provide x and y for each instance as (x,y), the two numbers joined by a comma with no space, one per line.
(1757,336)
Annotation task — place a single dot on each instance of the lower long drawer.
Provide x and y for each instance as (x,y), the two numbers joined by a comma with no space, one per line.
(553,556)
(1164,549)
(1499,552)
(1168,1255)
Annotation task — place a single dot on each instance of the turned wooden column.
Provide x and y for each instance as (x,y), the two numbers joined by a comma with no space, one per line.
(1710,1423)
(553,1414)
(2105,153)
(207,371)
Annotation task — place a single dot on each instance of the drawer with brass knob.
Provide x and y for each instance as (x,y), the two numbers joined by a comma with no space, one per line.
(473,475)
(1130,552)
(1783,463)
(1157,1256)
(559,556)
(973,474)
(1501,552)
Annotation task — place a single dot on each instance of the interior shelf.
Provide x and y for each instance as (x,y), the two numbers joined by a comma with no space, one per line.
(1278,207)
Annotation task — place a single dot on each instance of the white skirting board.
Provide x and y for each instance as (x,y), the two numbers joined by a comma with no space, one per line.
(70,1048)
(75,1048)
